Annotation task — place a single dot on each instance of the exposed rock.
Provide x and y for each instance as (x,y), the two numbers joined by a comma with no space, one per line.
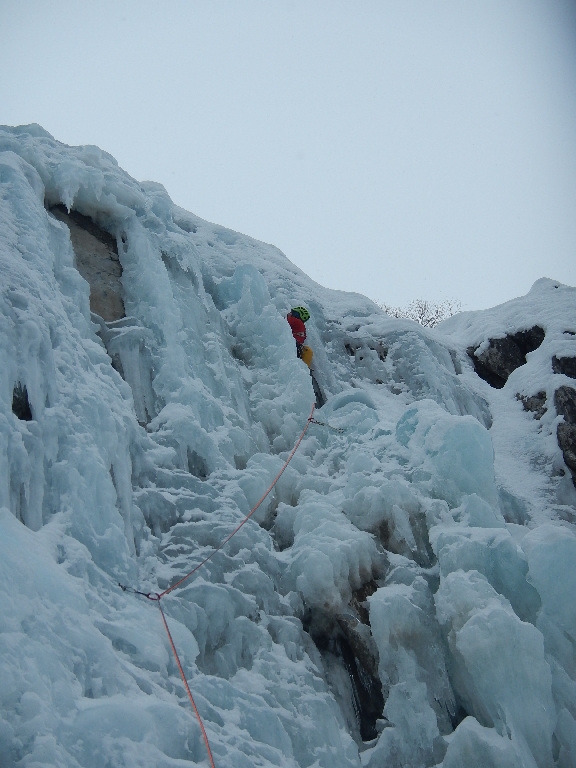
(97,261)
(20,403)
(368,698)
(565,404)
(350,640)
(536,404)
(565,365)
(566,434)
(496,363)
(360,639)
(359,597)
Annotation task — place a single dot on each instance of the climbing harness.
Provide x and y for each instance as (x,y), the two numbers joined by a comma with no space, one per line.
(157,596)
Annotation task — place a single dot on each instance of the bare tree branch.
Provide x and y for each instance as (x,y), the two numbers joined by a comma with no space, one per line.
(426,313)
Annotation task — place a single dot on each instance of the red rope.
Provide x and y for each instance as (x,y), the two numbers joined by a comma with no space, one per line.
(188,691)
(157,597)
(248,516)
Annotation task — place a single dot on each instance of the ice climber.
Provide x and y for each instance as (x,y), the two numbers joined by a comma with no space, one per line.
(296,319)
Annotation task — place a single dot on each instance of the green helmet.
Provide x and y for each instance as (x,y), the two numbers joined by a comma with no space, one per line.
(302,313)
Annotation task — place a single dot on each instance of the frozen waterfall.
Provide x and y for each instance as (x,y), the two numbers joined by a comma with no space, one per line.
(404,598)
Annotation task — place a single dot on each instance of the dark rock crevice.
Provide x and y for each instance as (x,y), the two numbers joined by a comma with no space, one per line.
(197,465)
(350,641)
(358,601)
(392,539)
(367,691)
(20,403)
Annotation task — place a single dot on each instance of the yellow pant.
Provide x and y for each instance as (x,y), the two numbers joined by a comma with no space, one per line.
(306,354)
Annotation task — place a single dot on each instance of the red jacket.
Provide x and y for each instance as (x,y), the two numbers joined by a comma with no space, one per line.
(298,328)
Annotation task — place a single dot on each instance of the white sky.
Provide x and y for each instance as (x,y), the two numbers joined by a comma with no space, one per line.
(398,148)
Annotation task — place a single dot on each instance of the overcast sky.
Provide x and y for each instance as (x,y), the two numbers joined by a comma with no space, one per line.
(398,148)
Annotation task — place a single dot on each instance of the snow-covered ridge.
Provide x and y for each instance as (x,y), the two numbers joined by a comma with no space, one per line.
(405,596)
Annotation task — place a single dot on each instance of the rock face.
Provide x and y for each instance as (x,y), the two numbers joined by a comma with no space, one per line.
(565,365)
(565,403)
(496,363)
(97,261)
(502,356)
(536,404)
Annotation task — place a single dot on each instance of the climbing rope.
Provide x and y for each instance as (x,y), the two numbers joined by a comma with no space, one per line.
(157,596)
(188,691)
(340,430)
(248,516)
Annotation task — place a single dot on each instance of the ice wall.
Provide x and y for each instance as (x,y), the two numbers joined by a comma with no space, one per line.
(403,598)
